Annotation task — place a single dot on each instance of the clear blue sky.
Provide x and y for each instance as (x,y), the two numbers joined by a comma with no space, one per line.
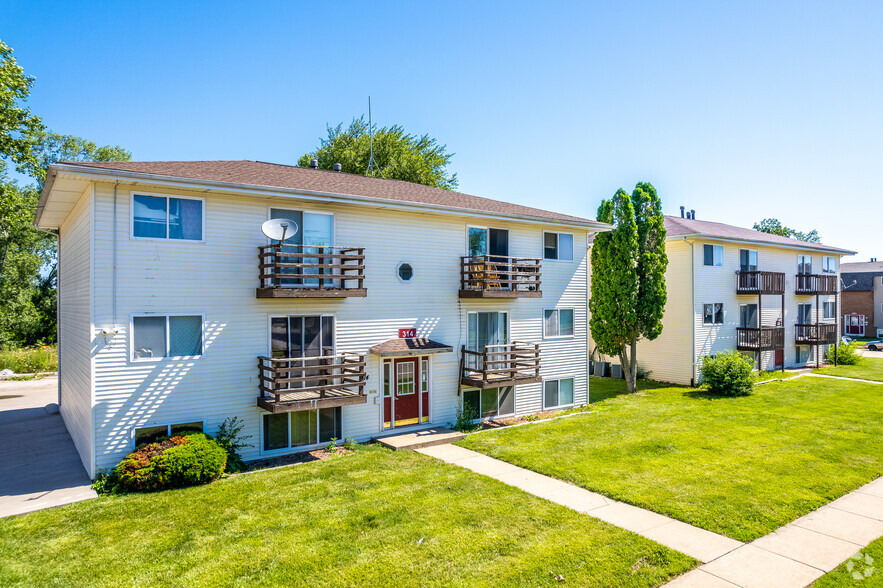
(739,110)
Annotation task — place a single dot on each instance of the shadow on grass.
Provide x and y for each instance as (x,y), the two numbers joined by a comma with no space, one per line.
(601,389)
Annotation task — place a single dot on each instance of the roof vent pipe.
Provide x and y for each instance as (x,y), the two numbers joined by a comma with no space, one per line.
(693,214)
(337,167)
(682,212)
(314,164)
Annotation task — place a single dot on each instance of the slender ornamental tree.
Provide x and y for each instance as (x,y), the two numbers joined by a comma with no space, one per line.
(628,276)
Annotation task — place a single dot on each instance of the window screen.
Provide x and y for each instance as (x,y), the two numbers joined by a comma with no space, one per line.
(149,337)
(149,216)
(185,335)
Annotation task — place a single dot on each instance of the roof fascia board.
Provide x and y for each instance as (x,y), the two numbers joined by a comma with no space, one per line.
(814,247)
(208,185)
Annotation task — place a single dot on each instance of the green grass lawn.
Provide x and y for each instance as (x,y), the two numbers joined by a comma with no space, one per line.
(870,368)
(375,518)
(738,466)
(842,576)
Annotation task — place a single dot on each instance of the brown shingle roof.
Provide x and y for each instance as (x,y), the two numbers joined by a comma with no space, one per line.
(676,226)
(416,346)
(288,177)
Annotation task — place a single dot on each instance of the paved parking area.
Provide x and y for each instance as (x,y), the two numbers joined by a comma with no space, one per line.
(39,465)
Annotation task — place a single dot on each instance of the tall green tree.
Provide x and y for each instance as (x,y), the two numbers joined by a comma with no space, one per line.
(628,276)
(775,227)
(18,126)
(397,154)
(28,255)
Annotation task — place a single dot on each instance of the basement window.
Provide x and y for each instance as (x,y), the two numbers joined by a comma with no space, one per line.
(145,435)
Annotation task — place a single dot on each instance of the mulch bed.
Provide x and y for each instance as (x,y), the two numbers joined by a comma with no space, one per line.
(296,458)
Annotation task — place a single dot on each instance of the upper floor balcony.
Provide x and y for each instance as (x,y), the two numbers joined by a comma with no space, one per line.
(497,366)
(291,384)
(818,333)
(816,284)
(759,282)
(311,271)
(760,338)
(498,276)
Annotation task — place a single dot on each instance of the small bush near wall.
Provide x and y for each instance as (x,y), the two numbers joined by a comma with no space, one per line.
(728,374)
(183,460)
(846,355)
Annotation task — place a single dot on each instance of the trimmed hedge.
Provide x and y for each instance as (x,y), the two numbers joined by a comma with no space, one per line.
(728,374)
(176,462)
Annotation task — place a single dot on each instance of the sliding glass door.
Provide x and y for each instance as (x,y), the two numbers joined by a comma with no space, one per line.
(485,328)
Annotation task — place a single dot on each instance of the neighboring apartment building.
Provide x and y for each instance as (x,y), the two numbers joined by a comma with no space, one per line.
(863,298)
(392,306)
(770,297)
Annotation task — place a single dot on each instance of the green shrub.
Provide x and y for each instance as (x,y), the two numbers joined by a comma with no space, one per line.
(728,374)
(183,460)
(846,355)
(29,360)
(230,437)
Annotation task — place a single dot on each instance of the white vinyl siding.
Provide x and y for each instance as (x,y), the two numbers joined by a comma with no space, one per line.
(165,277)
(75,327)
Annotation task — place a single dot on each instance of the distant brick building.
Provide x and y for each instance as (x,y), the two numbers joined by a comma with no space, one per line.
(862,297)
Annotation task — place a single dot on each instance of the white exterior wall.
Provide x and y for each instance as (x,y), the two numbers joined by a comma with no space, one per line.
(718,284)
(669,358)
(75,327)
(218,278)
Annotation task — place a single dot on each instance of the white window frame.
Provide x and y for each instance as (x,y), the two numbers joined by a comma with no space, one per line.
(300,448)
(800,257)
(413,272)
(167,426)
(132,236)
(558,314)
(498,415)
(131,337)
(560,406)
(712,323)
(271,316)
(558,247)
(809,316)
(713,249)
(833,261)
(826,304)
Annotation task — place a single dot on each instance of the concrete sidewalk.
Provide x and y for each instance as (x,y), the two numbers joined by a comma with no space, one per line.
(39,465)
(793,556)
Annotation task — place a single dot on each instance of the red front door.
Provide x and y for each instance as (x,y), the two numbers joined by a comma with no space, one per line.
(780,357)
(408,399)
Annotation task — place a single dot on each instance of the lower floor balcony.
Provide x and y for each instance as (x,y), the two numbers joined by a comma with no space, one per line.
(291,384)
(508,364)
(818,333)
(760,338)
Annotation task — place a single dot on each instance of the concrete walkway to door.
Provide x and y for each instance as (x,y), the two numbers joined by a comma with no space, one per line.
(791,557)
(39,465)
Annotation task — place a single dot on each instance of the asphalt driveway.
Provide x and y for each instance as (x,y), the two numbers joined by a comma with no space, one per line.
(39,465)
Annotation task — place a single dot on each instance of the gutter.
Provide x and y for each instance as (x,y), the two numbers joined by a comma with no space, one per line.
(808,245)
(112,176)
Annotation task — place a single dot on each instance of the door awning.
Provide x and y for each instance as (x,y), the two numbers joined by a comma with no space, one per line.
(415,346)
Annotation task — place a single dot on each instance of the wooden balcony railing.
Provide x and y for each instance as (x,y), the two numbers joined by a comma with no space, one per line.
(290,384)
(758,282)
(760,338)
(496,276)
(816,284)
(823,333)
(311,271)
(501,365)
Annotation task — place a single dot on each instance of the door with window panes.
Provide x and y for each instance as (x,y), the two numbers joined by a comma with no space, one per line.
(406,387)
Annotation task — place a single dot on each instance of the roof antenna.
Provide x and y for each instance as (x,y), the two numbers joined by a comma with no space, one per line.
(371,160)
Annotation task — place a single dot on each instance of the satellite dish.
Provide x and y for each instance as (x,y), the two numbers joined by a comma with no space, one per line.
(279,229)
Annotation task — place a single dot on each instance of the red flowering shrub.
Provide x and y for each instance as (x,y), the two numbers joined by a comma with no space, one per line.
(183,460)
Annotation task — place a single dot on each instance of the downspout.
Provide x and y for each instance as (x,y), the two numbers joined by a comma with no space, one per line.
(114,269)
(692,315)
(588,333)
